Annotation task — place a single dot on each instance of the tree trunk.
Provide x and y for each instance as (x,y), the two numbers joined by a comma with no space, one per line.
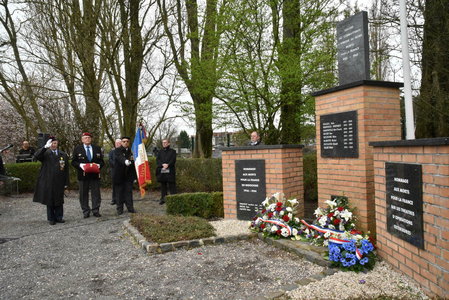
(290,57)
(432,106)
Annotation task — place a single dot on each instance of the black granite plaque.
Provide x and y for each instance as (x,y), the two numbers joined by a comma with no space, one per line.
(250,187)
(353,49)
(404,202)
(339,135)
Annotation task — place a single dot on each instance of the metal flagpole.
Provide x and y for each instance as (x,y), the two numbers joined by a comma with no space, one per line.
(409,120)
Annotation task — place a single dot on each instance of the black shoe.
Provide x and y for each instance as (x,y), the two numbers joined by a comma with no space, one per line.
(86,216)
(51,222)
(162,201)
(113,203)
(96,214)
(60,221)
(119,212)
(132,211)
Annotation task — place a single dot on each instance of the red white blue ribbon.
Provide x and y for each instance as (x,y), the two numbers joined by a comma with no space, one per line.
(358,254)
(334,240)
(278,223)
(321,229)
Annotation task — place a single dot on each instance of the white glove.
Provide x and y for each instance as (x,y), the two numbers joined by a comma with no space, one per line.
(82,166)
(127,162)
(48,144)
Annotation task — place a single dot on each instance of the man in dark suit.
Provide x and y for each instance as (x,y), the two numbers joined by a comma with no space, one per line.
(166,170)
(118,144)
(123,176)
(88,160)
(53,179)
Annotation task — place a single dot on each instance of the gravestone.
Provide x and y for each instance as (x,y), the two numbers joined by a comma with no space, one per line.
(404,202)
(339,136)
(353,49)
(250,187)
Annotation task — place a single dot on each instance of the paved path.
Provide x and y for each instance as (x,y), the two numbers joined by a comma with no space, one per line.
(94,259)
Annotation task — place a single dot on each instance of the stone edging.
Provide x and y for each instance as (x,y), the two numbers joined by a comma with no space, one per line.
(309,252)
(155,248)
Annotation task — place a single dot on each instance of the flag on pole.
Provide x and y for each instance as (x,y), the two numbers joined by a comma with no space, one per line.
(141,159)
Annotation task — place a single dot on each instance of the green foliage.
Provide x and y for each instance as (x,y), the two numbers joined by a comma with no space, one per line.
(27,172)
(199,175)
(204,205)
(279,51)
(166,229)
(310,177)
(184,140)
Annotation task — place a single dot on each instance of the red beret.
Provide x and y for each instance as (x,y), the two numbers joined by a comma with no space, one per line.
(86,134)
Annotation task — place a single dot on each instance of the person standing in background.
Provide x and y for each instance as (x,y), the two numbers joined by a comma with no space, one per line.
(118,144)
(53,179)
(88,160)
(124,176)
(255,139)
(166,170)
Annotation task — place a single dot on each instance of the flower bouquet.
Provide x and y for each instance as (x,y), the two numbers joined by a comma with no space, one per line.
(277,218)
(352,251)
(336,218)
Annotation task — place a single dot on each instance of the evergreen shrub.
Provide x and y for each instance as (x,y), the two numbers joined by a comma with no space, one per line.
(204,205)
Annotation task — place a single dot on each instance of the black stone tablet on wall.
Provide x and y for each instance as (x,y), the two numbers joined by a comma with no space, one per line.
(250,187)
(404,202)
(339,136)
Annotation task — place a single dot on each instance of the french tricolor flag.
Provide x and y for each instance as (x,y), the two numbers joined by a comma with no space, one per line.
(141,159)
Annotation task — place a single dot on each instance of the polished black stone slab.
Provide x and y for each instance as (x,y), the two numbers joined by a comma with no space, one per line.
(339,135)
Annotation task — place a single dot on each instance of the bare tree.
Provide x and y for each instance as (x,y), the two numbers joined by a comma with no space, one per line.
(17,86)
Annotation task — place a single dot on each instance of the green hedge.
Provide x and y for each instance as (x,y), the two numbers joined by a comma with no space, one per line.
(204,205)
(192,175)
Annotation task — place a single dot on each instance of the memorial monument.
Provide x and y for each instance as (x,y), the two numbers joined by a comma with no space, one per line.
(348,118)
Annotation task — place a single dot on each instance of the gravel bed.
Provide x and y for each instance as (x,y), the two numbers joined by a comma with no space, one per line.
(231,227)
(382,282)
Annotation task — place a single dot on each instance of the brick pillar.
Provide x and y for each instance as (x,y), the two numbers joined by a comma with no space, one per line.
(378,117)
(429,266)
(283,173)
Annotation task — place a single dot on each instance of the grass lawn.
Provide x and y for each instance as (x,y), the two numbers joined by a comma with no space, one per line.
(166,229)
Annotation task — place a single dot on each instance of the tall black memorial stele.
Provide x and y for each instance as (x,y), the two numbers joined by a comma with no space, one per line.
(353,49)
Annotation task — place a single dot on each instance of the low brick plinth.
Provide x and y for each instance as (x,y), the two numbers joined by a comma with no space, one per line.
(283,173)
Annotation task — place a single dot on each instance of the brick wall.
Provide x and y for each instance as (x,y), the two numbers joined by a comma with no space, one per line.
(378,111)
(283,173)
(428,266)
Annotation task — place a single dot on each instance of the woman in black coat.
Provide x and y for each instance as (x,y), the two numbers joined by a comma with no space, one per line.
(53,179)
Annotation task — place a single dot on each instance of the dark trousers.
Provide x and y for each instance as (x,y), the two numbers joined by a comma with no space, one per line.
(94,186)
(114,194)
(171,186)
(124,196)
(55,213)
